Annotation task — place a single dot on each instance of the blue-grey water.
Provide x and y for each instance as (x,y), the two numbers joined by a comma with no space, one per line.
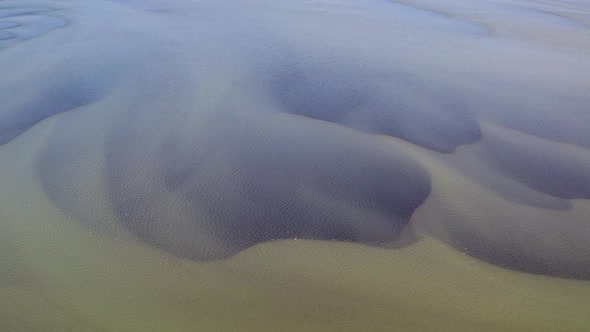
(301,165)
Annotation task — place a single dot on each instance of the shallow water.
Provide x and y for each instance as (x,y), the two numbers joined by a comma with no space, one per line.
(294,165)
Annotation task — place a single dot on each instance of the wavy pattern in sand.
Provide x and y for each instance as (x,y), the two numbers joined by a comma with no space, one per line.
(200,138)
(304,163)
(270,133)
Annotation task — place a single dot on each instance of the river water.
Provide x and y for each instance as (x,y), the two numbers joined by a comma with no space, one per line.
(318,165)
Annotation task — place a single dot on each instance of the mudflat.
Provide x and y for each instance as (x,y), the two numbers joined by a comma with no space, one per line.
(294,165)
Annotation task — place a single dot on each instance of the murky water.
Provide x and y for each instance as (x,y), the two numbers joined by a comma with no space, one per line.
(294,165)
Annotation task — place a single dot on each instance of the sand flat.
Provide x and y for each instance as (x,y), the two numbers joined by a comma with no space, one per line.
(322,165)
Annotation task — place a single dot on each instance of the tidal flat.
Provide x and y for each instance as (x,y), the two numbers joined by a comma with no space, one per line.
(318,165)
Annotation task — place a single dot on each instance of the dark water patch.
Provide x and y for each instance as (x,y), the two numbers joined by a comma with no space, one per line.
(30,96)
(558,248)
(545,109)
(544,166)
(29,112)
(251,180)
(538,241)
(393,104)
(491,178)
(429,126)
(320,94)
(546,241)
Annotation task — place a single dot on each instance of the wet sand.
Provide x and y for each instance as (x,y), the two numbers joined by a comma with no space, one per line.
(294,165)
(59,275)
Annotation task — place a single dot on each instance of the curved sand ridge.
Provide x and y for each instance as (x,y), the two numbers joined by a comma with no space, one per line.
(208,130)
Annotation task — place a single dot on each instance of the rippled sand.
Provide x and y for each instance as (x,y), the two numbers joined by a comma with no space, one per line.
(294,165)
